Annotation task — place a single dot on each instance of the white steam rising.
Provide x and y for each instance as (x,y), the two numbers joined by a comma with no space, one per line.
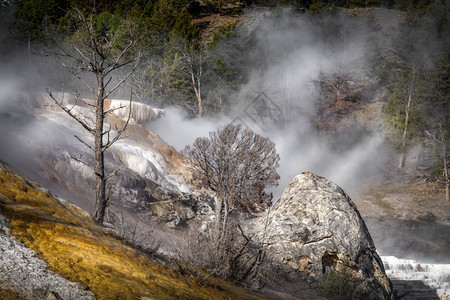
(299,52)
(179,130)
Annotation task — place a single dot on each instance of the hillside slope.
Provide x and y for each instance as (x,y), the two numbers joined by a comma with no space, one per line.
(75,247)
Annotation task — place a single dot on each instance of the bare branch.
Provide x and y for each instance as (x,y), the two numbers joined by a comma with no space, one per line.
(432,136)
(78,159)
(73,71)
(124,127)
(115,108)
(117,63)
(113,173)
(124,78)
(107,131)
(82,55)
(83,142)
(89,104)
(107,83)
(61,105)
(242,233)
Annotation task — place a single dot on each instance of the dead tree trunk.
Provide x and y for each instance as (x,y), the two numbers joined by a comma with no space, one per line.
(100,179)
(96,54)
(443,143)
(403,150)
(198,92)
(194,60)
(446,175)
(402,159)
(218,221)
(226,211)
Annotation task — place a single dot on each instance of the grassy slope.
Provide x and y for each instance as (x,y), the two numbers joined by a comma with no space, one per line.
(75,247)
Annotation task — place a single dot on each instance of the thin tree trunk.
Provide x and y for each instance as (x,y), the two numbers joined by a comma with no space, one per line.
(100,197)
(446,175)
(200,106)
(402,159)
(224,221)
(198,94)
(447,196)
(218,223)
(195,68)
(401,163)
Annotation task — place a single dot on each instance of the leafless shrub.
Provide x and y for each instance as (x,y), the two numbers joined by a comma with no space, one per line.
(239,257)
(237,165)
(197,255)
(136,234)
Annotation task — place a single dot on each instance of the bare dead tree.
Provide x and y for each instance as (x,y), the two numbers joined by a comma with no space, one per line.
(193,58)
(238,165)
(409,95)
(94,53)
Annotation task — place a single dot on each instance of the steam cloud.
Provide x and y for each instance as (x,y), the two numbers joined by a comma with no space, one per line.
(298,52)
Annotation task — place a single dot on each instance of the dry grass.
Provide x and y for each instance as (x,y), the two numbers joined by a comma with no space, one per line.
(377,197)
(409,200)
(6,294)
(75,247)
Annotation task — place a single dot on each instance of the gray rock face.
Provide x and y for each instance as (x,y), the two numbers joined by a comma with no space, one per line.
(23,272)
(315,228)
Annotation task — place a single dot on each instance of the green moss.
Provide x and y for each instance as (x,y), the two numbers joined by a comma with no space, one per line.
(75,247)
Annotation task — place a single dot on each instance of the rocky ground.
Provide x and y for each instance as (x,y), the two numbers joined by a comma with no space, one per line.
(23,272)
(408,220)
(411,239)
(36,227)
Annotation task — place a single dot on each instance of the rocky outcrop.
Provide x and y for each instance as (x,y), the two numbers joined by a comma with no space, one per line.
(148,169)
(140,112)
(314,228)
